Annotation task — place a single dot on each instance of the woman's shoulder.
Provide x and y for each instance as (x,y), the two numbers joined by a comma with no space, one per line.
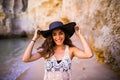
(73,48)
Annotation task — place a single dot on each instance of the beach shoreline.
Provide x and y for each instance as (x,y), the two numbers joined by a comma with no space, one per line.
(82,69)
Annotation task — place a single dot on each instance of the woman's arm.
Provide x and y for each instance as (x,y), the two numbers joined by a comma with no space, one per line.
(28,56)
(86,52)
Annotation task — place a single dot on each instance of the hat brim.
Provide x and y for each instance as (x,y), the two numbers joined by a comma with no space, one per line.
(68,28)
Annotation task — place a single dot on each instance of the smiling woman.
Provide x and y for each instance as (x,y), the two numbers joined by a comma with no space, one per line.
(58,50)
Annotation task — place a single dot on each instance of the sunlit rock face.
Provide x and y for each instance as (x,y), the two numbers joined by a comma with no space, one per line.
(99,21)
(11,15)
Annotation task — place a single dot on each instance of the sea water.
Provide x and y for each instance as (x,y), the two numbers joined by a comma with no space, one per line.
(11,52)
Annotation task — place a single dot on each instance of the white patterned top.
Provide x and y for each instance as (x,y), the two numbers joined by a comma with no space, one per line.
(58,71)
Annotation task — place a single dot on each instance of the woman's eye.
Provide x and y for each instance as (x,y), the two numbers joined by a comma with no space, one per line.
(61,33)
(53,34)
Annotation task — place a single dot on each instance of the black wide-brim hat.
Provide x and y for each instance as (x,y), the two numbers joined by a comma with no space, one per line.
(68,28)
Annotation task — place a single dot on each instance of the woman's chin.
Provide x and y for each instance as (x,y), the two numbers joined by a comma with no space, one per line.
(59,44)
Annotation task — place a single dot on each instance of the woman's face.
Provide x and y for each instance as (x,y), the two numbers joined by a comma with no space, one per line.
(58,36)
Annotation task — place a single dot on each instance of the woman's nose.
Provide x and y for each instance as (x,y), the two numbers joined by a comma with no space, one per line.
(57,36)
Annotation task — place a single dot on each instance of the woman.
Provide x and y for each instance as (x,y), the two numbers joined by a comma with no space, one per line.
(58,50)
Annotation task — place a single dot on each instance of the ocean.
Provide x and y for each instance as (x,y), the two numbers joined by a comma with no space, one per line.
(11,52)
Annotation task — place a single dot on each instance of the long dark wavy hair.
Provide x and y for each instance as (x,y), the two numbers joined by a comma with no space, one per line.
(49,44)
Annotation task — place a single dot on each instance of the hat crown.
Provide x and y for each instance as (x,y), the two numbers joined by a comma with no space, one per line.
(68,28)
(55,24)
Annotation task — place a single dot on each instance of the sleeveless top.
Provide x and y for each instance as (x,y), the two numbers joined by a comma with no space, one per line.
(58,71)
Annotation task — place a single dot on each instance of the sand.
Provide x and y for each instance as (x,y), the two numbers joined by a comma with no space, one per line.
(82,69)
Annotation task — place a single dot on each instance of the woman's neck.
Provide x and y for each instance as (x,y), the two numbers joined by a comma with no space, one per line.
(59,47)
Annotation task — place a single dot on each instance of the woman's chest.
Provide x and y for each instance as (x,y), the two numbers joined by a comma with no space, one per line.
(53,65)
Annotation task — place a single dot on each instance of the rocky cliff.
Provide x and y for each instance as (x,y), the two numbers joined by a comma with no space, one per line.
(99,21)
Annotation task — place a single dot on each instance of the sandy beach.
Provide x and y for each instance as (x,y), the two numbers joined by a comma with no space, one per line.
(82,69)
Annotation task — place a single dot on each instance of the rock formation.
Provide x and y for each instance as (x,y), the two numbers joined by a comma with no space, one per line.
(11,11)
(99,21)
